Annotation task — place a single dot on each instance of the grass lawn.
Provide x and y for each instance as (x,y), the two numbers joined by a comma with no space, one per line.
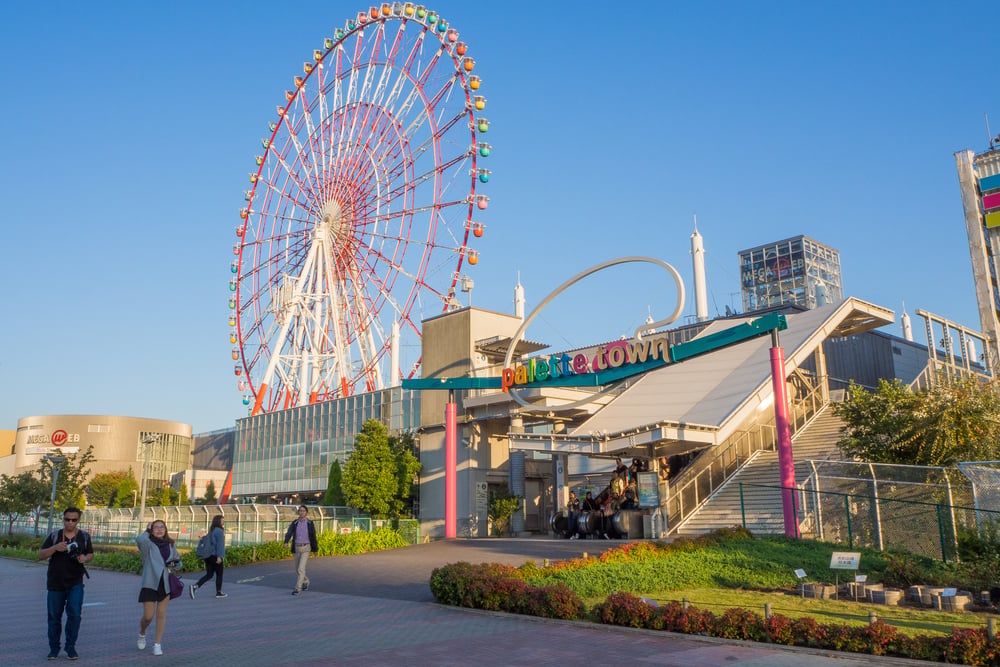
(910,620)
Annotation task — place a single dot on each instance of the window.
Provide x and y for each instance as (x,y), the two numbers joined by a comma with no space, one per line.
(98,428)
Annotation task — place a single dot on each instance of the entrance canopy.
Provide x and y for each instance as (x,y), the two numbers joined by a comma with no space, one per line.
(701,401)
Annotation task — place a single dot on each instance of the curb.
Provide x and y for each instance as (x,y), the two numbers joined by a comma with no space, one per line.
(800,650)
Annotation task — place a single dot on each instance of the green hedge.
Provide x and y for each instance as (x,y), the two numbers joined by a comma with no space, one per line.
(122,558)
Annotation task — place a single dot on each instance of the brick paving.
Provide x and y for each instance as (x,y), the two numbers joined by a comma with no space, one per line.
(265,625)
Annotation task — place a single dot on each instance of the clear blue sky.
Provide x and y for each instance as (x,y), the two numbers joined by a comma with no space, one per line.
(130,129)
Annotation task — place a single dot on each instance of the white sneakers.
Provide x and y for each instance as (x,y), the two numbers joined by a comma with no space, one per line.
(157,650)
(141,643)
(191,589)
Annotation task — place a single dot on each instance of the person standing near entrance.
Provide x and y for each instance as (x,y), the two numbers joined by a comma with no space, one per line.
(67,551)
(302,534)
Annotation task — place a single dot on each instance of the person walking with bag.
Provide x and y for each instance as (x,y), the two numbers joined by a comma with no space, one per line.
(212,550)
(159,585)
(302,534)
(67,550)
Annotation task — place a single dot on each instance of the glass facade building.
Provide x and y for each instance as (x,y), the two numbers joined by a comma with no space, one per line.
(290,451)
(797,271)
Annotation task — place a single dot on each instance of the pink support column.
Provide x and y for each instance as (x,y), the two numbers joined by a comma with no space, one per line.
(450,468)
(786,462)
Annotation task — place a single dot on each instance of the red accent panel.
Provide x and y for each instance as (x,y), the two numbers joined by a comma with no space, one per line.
(227,488)
(786,461)
(450,470)
(991,201)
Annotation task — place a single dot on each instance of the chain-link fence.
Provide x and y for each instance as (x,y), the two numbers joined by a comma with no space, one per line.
(929,526)
(244,524)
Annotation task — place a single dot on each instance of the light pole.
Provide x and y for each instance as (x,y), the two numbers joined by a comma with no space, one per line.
(56,461)
(148,440)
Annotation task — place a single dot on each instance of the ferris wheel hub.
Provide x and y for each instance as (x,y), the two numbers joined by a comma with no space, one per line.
(334,221)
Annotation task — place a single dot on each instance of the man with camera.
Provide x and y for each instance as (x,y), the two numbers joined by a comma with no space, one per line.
(67,551)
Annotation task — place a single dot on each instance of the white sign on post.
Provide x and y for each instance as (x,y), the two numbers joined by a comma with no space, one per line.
(860,578)
(800,573)
(845,560)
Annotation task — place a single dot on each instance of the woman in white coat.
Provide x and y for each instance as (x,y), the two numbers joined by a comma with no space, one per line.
(157,551)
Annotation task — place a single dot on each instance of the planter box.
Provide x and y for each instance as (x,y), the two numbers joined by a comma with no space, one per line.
(887,596)
(913,593)
(820,591)
(959,602)
(928,593)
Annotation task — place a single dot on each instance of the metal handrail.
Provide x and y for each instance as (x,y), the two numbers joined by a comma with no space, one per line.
(759,437)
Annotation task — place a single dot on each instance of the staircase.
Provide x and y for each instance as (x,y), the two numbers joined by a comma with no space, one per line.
(816,440)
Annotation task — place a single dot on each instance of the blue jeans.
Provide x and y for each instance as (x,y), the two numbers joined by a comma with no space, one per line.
(72,602)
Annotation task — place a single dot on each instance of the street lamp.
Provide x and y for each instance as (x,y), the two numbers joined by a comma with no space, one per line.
(55,460)
(147,440)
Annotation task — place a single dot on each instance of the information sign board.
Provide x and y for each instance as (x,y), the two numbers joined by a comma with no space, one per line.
(845,560)
(649,489)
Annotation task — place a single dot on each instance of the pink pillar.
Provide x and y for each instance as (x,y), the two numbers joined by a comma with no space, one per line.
(450,468)
(786,462)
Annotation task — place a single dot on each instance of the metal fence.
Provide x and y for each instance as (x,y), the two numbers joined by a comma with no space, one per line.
(930,527)
(244,524)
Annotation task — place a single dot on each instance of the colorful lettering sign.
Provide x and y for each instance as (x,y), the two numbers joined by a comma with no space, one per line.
(613,355)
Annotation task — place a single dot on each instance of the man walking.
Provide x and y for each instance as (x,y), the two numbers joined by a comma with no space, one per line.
(67,550)
(302,534)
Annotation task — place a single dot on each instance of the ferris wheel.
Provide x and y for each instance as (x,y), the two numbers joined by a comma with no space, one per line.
(359,213)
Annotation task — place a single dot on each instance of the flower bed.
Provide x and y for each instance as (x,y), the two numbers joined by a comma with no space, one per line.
(557,592)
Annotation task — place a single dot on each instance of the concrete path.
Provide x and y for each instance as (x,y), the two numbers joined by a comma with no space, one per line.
(402,574)
(261,625)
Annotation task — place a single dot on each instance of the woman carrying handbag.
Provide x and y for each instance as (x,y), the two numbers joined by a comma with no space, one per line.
(159,584)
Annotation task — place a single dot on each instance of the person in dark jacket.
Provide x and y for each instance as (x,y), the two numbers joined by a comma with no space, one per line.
(302,535)
(67,550)
(213,562)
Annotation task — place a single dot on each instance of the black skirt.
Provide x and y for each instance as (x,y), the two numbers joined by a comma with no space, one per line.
(149,595)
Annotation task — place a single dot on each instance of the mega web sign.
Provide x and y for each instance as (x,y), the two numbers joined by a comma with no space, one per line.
(611,362)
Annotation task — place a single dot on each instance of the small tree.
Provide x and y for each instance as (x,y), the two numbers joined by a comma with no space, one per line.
(127,491)
(210,492)
(104,488)
(502,507)
(182,495)
(334,493)
(73,474)
(166,496)
(403,448)
(954,421)
(20,495)
(370,477)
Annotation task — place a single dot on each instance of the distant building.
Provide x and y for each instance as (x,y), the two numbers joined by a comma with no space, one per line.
(117,442)
(797,271)
(979,181)
(213,450)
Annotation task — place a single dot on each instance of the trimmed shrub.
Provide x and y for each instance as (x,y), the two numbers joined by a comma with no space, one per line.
(624,609)
(739,624)
(500,588)
(779,630)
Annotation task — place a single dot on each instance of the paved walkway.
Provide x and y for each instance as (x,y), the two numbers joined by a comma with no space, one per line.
(402,574)
(261,625)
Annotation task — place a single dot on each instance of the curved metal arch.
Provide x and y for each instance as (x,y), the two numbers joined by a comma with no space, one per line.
(572,281)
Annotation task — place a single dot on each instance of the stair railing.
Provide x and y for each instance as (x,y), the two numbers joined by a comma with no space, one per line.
(695,484)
